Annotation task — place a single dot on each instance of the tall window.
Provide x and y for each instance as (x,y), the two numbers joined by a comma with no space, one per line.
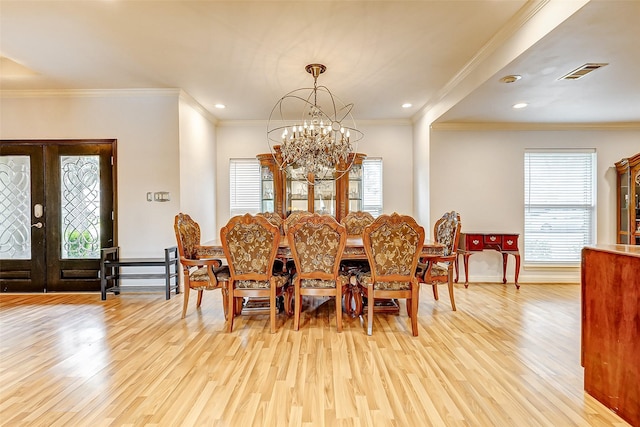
(244,186)
(372,186)
(559,205)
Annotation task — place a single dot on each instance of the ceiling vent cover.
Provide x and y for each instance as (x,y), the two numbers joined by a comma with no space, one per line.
(582,71)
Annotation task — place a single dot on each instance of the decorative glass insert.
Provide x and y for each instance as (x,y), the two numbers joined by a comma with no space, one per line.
(80,206)
(15,207)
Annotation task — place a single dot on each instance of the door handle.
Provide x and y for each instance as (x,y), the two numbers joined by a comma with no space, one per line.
(37,225)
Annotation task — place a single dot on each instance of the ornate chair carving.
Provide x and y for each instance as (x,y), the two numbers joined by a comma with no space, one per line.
(200,271)
(250,244)
(317,243)
(354,222)
(393,244)
(439,270)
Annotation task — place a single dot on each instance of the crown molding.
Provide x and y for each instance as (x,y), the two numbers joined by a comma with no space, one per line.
(191,101)
(88,93)
(503,126)
(359,123)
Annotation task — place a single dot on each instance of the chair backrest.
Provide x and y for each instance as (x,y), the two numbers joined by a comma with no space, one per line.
(187,235)
(317,243)
(250,244)
(273,218)
(293,218)
(393,244)
(356,221)
(447,232)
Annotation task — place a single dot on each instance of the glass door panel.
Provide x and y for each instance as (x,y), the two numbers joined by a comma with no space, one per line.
(15,207)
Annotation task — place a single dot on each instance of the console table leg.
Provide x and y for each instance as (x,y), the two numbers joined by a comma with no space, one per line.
(465,258)
(504,267)
(517,256)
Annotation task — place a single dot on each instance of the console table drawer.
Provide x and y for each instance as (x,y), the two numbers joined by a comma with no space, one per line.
(510,242)
(473,242)
(492,239)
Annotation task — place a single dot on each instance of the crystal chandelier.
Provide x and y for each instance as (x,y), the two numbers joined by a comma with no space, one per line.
(319,144)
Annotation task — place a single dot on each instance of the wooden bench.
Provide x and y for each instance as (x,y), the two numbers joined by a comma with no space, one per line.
(111,273)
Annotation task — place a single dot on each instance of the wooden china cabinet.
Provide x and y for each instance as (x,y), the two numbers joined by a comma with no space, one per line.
(628,200)
(285,191)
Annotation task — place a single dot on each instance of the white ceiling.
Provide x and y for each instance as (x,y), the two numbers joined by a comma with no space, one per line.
(379,54)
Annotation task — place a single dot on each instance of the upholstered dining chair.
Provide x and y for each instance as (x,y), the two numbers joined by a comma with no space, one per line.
(317,243)
(200,271)
(393,244)
(250,244)
(354,222)
(439,270)
(292,218)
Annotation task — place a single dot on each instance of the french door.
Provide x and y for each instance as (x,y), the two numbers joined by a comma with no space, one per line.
(56,213)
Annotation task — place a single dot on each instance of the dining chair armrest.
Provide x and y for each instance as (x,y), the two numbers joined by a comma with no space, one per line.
(201,262)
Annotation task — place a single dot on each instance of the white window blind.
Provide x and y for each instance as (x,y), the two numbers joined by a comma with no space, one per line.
(244,186)
(372,186)
(559,206)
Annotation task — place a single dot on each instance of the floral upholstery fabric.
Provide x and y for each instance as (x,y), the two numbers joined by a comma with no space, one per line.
(189,235)
(355,222)
(445,231)
(280,281)
(364,278)
(250,246)
(274,219)
(293,218)
(317,246)
(318,283)
(393,248)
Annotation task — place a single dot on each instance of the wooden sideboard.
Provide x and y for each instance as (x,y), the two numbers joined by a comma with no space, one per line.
(611,327)
(505,243)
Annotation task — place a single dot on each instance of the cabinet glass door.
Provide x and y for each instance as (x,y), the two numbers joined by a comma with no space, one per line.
(324,193)
(297,190)
(355,188)
(268,192)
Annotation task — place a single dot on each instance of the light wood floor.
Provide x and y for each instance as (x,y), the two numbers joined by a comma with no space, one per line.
(505,358)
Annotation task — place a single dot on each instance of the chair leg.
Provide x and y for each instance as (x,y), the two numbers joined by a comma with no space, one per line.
(453,301)
(185,303)
(435,291)
(225,299)
(272,307)
(199,298)
(297,307)
(231,307)
(414,311)
(339,308)
(371,304)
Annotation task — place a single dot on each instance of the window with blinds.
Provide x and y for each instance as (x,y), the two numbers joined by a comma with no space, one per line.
(559,206)
(244,186)
(372,186)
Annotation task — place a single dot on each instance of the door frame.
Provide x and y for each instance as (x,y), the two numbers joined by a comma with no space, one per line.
(81,275)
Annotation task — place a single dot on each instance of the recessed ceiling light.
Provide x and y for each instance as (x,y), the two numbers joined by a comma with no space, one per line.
(512,78)
(520,105)
(220,106)
(407,105)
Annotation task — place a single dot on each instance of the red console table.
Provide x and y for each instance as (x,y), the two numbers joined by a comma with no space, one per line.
(505,243)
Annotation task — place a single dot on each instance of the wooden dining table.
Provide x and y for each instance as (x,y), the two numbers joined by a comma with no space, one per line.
(354,250)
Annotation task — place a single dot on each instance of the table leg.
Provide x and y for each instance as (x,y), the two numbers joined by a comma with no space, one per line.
(504,267)
(465,258)
(517,256)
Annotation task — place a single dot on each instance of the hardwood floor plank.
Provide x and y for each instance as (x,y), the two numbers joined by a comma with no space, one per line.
(507,357)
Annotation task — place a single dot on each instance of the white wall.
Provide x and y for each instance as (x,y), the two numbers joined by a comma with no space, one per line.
(198,168)
(390,140)
(480,175)
(145,125)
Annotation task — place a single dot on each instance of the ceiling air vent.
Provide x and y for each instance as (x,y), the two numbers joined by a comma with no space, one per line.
(582,71)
